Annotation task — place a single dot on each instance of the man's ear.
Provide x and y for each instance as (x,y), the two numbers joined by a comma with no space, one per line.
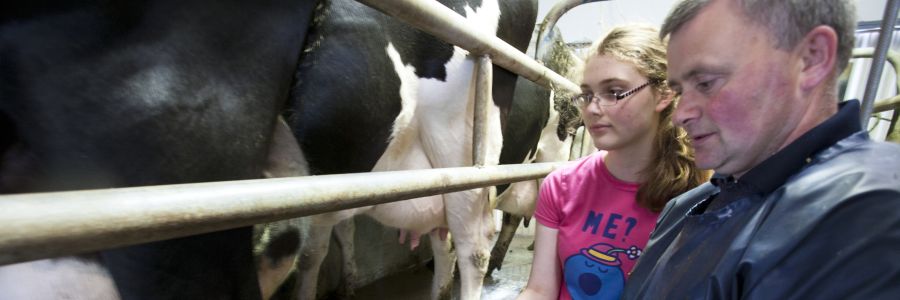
(665,99)
(818,53)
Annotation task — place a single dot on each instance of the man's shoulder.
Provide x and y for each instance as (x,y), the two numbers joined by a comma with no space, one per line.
(854,180)
(855,165)
(855,168)
(841,208)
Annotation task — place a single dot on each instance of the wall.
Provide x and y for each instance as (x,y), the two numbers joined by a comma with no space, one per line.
(589,21)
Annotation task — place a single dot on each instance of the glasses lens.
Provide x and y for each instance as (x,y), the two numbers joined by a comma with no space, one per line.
(580,100)
(608,99)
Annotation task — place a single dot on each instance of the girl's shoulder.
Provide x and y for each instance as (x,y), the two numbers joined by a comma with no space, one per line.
(578,169)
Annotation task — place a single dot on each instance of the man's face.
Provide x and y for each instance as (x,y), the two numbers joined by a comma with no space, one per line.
(738,101)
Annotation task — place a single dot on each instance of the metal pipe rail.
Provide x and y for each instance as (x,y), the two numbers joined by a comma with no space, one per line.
(46,225)
(892,103)
(449,26)
(892,58)
(881,50)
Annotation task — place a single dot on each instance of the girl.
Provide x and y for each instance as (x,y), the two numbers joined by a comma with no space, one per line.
(595,216)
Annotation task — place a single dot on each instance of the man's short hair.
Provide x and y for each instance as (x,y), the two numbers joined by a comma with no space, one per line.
(788,21)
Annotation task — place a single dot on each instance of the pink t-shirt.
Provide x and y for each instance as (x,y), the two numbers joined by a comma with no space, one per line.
(602,229)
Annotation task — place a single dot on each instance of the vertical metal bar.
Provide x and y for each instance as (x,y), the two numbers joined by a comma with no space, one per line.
(587,143)
(483,79)
(881,49)
(575,148)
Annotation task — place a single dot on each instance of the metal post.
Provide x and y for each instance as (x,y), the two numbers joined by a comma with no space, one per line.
(46,225)
(587,143)
(881,49)
(483,83)
(575,148)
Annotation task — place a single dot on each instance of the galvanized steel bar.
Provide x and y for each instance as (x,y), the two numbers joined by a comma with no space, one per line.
(587,143)
(892,58)
(63,223)
(881,49)
(557,11)
(892,103)
(484,74)
(449,26)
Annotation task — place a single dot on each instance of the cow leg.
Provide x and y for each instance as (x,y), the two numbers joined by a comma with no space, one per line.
(444,262)
(313,249)
(315,237)
(471,227)
(275,250)
(344,232)
(517,200)
(507,231)
(276,244)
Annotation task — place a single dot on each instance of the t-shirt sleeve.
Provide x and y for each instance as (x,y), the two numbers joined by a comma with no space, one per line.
(547,211)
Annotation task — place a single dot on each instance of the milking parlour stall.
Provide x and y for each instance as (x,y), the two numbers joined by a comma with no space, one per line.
(273,149)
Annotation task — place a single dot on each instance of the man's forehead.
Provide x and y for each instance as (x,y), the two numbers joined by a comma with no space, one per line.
(710,18)
(707,43)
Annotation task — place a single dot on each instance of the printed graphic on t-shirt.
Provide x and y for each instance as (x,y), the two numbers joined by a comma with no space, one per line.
(596,273)
(615,226)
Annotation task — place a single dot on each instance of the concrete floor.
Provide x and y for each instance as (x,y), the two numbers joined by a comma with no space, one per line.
(416,284)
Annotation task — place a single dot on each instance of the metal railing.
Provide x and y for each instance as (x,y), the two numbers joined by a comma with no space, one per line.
(886,104)
(881,49)
(46,225)
(52,224)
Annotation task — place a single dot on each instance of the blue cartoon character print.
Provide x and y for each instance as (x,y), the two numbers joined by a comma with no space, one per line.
(596,273)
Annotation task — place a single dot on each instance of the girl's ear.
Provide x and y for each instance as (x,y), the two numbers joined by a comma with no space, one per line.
(665,99)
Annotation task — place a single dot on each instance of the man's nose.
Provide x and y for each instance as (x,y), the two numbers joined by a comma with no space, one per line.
(686,111)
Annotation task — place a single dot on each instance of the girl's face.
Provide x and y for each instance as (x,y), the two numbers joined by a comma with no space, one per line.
(632,121)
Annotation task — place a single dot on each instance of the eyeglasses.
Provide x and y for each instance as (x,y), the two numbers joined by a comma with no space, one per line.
(605,99)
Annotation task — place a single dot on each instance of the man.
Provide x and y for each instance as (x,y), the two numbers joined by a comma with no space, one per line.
(803,204)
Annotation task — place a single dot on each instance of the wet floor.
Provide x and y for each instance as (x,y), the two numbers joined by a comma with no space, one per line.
(416,284)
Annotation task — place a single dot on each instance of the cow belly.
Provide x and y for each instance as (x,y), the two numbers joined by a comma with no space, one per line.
(405,152)
(420,215)
(519,198)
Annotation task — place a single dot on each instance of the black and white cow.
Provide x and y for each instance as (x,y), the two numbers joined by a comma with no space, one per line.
(401,99)
(535,133)
(100,94)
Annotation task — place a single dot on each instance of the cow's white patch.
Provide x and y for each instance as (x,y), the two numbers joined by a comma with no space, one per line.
(485,17)
(59,278)
(408,87)
(443,118)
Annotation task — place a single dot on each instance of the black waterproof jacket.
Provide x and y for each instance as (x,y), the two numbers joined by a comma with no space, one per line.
(831,231)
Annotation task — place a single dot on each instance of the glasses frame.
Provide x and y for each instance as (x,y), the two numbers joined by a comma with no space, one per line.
(603,99)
